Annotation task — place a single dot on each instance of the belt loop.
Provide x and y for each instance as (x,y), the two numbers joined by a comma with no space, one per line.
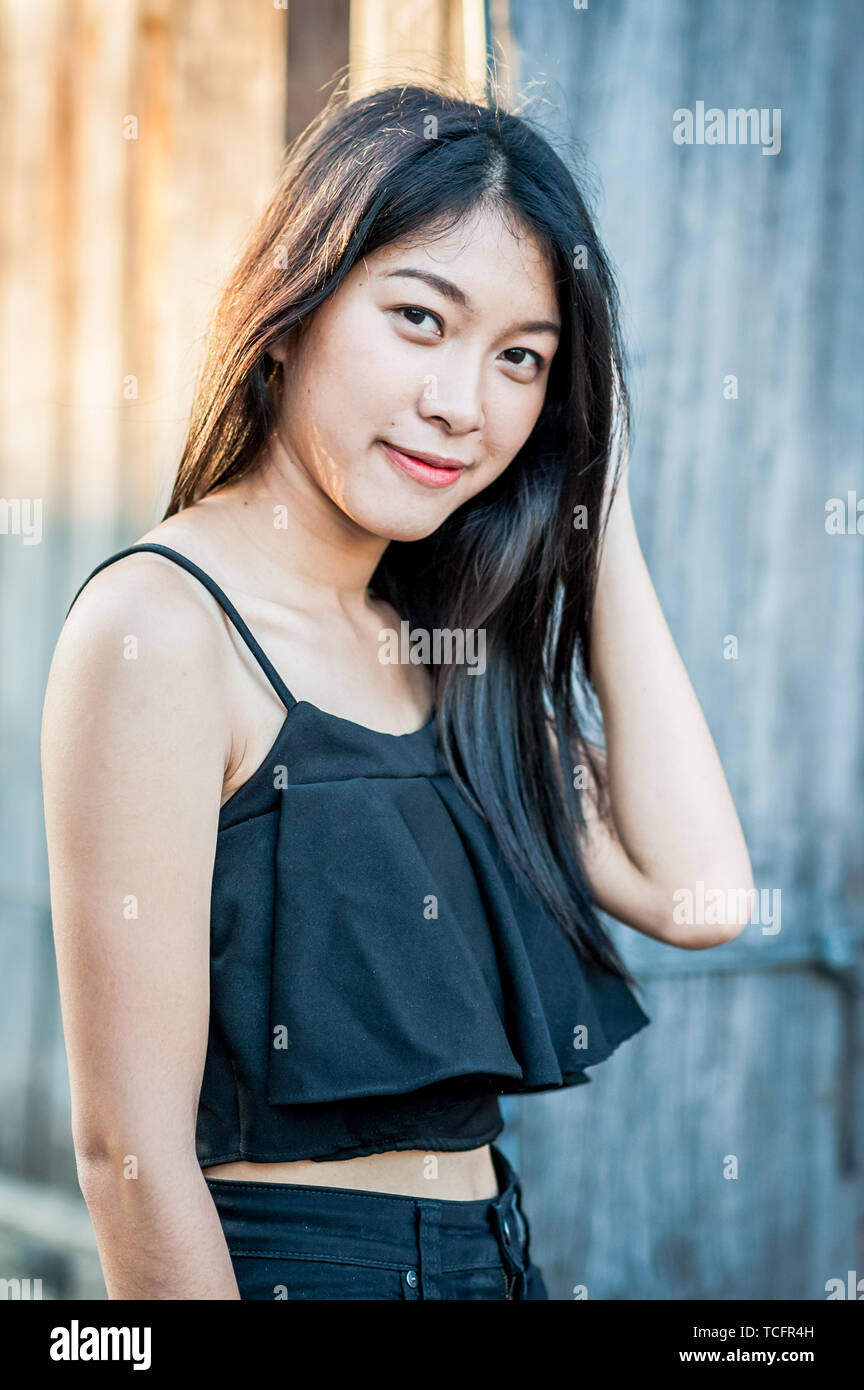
(429,1244)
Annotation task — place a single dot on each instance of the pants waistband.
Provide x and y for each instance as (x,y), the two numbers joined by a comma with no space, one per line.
(301,1221)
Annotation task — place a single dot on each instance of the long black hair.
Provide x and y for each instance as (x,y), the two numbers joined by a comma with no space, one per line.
(519,560)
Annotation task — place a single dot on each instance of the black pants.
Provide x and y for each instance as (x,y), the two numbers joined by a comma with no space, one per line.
(287,1240)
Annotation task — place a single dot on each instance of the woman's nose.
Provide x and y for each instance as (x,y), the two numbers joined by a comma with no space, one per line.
(455,400)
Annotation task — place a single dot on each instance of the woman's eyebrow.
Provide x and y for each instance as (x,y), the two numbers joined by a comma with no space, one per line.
(445,287)
(457,296)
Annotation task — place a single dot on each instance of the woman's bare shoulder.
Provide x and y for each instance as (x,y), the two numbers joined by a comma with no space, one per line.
(152,587)
(145,609)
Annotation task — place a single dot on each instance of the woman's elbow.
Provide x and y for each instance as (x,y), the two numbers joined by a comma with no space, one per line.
(706,913)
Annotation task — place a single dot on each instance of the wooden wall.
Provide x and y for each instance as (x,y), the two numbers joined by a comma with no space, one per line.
(395,40)
(138,138)
(730,262)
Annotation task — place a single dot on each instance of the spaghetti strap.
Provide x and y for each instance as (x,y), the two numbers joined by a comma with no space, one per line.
(222,599)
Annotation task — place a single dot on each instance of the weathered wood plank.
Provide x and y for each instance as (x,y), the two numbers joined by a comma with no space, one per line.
(139,139)
(731,262)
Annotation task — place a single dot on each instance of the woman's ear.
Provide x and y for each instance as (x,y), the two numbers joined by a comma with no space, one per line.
(279,351)
(284,348)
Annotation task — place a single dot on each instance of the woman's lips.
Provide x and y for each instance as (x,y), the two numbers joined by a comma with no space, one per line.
(430,474)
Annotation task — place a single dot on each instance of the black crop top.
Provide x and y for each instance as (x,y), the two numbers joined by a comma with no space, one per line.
(378,977)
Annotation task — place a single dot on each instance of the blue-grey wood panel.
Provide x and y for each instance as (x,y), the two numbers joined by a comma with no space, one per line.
(731,262)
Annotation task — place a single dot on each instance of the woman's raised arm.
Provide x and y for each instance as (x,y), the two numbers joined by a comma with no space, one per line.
(675,824)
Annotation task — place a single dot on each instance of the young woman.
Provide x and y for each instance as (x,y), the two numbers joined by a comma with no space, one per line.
(326,830)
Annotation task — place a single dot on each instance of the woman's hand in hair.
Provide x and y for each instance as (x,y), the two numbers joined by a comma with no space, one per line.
(672,835)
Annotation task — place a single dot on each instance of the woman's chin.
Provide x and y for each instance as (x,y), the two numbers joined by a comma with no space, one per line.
(394,524)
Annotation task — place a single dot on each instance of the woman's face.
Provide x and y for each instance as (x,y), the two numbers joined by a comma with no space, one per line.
(439,349)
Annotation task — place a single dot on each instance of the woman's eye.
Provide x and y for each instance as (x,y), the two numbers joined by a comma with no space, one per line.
(421,313)
(527,357)
(517,357)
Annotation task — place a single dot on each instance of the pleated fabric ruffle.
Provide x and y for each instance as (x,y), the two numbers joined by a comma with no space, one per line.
(370,940)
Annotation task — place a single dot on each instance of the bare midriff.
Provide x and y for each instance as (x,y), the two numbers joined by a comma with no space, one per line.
(465,1177)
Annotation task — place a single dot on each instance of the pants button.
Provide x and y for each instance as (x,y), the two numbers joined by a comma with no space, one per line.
(411,1276)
